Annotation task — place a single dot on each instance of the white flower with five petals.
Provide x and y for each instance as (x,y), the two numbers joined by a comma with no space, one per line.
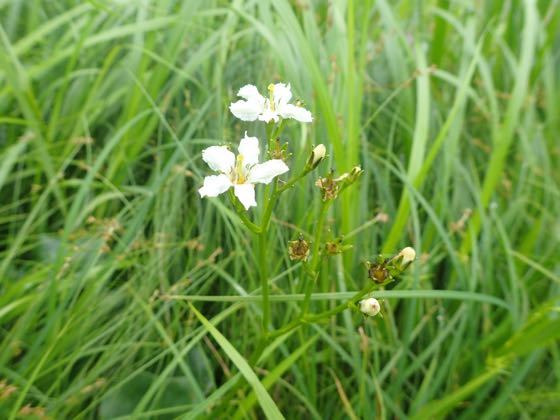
(255,106)
(241,172)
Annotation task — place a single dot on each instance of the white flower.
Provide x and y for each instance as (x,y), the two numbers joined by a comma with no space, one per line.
(241,173)
(370,306)
(276,106)
(408,255)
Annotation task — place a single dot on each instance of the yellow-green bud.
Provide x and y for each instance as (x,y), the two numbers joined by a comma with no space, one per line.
(355,173)
(408,255)
(336,247)
(317,156)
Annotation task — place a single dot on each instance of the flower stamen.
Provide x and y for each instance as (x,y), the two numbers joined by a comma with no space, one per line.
(239,170)
(271,97)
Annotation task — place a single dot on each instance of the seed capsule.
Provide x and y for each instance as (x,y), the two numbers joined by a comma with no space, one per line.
(298,249)
(329,188)
(378,272)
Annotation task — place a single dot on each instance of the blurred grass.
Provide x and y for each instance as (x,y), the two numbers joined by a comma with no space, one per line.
(447,105)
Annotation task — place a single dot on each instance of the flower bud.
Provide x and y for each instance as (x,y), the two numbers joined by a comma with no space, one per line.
(408,255)
(317,156)
(336,247)
(370,306)
(355,173)
(348,178)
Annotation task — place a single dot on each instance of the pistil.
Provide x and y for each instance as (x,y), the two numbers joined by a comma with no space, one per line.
(239,172)
(271,96)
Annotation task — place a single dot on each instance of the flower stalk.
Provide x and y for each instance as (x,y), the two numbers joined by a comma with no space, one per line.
(263,266)
(315,257)
(239,174)
(314,318)
(242,215)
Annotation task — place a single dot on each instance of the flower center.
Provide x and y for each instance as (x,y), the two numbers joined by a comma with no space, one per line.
(271,96)
(239,170)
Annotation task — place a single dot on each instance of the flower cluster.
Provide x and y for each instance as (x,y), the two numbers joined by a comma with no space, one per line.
(239,173)
(383,271)
(243,171)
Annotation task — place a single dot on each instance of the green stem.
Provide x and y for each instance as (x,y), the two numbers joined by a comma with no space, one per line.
(265,222)
(262,232)
(316,257)
(270,127)
(272,131)
(263,265)
(241,212)
(307,319)
(291,182)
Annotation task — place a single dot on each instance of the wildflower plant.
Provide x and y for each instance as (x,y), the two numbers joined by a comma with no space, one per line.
(240,174)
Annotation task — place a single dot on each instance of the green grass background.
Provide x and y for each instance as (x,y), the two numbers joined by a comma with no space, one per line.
(448,105)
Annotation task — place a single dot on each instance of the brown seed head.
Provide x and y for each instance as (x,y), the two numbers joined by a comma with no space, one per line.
(329,188)
(298,249)
(378,273)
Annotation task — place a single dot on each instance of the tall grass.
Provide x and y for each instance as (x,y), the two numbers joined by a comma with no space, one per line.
(122,294)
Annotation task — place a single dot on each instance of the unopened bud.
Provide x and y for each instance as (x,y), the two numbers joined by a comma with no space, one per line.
(370,306)
(355,173)
(408,255)
(336,247)
(348,178)
(317,156)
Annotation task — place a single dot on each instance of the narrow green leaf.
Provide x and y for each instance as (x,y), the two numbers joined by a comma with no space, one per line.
(265,400)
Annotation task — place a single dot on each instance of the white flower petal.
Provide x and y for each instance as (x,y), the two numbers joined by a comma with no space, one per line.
(249,149)
(267,115)
(214,185)
(246,110)
(246,194)
(265,172)
(282,94)
(250,92)
(295,112)
(219,158)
